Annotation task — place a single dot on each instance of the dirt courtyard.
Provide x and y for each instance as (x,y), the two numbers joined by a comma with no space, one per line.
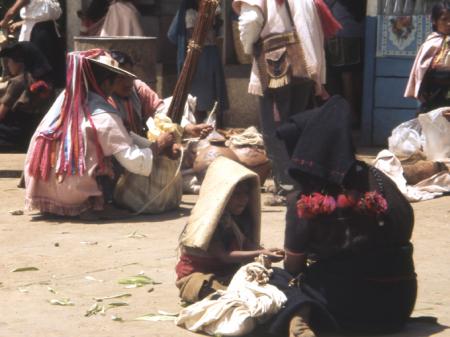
(80,262)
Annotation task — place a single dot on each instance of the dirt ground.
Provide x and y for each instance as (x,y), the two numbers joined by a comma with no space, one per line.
(80,261)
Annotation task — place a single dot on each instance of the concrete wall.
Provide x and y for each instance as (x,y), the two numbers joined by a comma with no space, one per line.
(244,108)
(72,21)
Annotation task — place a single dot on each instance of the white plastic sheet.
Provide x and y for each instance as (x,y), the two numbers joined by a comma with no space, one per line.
(436,130)
(406,138)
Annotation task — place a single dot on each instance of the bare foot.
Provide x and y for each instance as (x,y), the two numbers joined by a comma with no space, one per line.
(298,326)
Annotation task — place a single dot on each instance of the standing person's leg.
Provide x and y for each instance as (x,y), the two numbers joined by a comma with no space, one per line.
(296,98)
(45,36)
(275,109)
(221,90)
(276,150)
(208,84)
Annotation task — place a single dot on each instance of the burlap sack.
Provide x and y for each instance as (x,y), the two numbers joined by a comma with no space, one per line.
(160,192)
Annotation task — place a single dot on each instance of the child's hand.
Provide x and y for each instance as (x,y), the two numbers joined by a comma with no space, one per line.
(274,254)
(446,114)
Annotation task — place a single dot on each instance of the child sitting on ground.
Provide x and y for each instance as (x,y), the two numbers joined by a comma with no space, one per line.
(223,231)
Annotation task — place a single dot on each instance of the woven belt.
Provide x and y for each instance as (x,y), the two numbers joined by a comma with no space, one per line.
(278,40)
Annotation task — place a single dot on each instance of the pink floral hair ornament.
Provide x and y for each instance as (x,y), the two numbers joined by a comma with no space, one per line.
(316,204)
(310,206)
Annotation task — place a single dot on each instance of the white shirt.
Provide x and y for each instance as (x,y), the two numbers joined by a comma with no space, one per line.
(251,22)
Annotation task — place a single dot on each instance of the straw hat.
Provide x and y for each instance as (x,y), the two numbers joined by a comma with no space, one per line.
(108,62)
(220,181)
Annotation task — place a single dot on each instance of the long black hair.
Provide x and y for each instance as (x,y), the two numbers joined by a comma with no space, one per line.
(437,11)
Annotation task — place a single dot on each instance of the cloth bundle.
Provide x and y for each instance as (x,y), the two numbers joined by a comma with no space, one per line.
(160,124)
(249,137)
(235,311)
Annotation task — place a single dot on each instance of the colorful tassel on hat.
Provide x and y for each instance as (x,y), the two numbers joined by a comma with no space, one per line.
(62,145)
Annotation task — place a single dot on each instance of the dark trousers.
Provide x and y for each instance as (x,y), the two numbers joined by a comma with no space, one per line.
(288,101)
(45,36)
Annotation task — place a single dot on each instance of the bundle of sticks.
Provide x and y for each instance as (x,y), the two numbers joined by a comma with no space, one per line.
(204,23)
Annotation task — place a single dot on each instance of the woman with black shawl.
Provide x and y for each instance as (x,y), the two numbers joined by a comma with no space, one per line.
(347,237)
(39,26)
(26,96)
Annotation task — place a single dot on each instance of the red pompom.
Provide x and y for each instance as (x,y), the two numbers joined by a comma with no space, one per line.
(373,202)
(346,200)
(309,206)
(40,88)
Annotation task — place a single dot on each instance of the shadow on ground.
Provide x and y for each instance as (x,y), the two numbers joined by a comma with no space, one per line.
(423,326)
(129,218)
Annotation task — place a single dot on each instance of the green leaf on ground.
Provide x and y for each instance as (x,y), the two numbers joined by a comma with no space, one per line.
(136,235)
(166,313)
(94,310)
(137,281)
(116,318)
(155,318)
(16,212)
(17,270)
(100,299)
(89,243)
(92,278)
(117,304)
(62,302)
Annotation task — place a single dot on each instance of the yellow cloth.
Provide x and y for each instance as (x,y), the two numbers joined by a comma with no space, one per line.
(162,123)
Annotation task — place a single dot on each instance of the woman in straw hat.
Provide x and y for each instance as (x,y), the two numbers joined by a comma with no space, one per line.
(74,144)
(222,232)
(136,102)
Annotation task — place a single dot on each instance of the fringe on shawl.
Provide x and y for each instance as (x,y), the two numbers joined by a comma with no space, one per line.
(62,145)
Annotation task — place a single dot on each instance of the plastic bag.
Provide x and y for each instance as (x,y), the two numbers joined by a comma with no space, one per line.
(406,138)
(436,129)
(42,10)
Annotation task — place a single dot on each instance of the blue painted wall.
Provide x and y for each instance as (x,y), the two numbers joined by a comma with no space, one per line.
(384,106)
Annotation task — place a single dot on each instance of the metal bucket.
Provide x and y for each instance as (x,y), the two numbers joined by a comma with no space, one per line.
(143,51)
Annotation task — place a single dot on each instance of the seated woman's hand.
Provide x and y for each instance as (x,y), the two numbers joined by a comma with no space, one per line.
(198,130)
(174,152)
(4,25)
(164,142)
(15,26)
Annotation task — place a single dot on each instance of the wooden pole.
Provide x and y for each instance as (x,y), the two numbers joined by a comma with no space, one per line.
(204,23)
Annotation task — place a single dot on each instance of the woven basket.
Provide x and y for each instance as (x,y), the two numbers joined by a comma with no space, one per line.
(241,56)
